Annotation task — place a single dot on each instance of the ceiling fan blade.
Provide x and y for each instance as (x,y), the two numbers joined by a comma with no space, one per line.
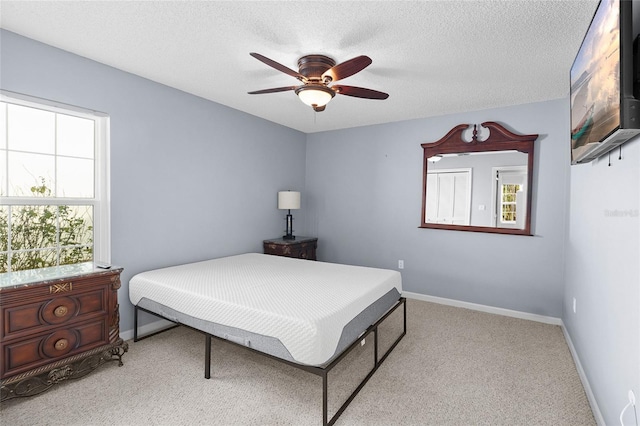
(359,92)
(274,90)
(279,67)
(347,68)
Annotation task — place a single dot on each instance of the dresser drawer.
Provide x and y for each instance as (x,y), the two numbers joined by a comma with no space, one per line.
(51,312)
(34,351)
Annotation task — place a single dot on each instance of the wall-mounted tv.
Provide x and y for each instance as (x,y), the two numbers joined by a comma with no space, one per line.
(604,111)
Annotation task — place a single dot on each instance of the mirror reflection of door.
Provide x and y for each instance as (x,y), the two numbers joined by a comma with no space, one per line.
(448,196)
(509,197)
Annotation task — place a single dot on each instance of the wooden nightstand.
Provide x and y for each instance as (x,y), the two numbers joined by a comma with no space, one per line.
(301,247)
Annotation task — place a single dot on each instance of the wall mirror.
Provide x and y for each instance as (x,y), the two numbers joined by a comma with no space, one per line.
(479,185)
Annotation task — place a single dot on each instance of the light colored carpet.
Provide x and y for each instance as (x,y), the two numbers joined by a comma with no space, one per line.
(454,367)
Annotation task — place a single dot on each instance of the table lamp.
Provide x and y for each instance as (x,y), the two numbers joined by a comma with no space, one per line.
(288,200)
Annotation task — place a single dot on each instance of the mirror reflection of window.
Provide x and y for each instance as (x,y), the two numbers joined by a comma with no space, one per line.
(510,201)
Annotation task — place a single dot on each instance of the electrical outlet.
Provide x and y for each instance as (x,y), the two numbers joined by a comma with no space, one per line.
(574,305)
(400,264)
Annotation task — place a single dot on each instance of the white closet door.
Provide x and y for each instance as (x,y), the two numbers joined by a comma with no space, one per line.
(448,197)
(462,191)
(431,205)
(446,189)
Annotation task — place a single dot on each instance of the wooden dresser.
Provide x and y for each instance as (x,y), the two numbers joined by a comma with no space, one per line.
(301,247)
(57,324)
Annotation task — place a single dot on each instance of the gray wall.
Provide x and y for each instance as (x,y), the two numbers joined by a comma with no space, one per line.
(190,179)
(364,190)
(603,275)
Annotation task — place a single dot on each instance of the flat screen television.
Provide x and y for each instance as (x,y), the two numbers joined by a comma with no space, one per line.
(605,111)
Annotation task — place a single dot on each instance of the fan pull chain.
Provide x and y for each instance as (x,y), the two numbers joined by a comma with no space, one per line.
(609,158)
(620,156)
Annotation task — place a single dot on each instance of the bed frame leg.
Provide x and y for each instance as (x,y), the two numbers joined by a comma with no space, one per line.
(325,403)
(376,362)
(207,356)
(404,303)
(135,324)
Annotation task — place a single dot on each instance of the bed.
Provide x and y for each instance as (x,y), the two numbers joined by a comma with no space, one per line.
(304,313)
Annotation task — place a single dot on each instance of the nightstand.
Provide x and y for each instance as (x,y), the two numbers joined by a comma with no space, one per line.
(301,247)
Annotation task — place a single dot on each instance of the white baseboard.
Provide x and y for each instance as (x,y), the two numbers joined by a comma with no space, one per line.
(147,329)
(483,308)
(583,378)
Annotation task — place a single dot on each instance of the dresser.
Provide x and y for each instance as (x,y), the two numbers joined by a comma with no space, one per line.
(301,247)
(56,324)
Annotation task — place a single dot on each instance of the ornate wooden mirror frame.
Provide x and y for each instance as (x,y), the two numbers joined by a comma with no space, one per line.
(499,139)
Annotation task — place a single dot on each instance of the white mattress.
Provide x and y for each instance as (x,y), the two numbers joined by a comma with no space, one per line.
(304,304)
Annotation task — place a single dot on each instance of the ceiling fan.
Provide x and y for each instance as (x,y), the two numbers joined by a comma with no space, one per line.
(316,72)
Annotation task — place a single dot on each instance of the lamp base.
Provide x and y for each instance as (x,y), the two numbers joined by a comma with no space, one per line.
(289,231)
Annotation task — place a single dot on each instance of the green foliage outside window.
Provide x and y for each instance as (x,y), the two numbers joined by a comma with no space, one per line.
(44,235)
(509,202)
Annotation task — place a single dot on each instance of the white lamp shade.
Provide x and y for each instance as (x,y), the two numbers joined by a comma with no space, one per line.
(288,200)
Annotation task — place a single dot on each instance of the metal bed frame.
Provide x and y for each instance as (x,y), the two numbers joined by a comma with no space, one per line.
(318,371)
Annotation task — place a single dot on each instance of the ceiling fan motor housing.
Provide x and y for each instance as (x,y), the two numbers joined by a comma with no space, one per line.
(313,66)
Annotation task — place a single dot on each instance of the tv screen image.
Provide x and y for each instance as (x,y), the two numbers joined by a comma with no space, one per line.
(595,80)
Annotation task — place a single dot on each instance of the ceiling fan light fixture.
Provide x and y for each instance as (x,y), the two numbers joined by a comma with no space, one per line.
(315,95)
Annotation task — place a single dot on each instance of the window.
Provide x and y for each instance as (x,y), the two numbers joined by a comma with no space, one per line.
(510,195)
(508,203)
(53,185)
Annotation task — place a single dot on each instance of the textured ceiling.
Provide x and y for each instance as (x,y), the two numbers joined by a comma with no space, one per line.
(432,57)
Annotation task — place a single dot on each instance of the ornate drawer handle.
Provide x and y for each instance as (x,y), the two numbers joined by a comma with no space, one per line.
(60,311)
(60,288)
(61,344)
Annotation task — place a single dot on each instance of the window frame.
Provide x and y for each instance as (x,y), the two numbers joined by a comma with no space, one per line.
(101,200)
(496,195)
